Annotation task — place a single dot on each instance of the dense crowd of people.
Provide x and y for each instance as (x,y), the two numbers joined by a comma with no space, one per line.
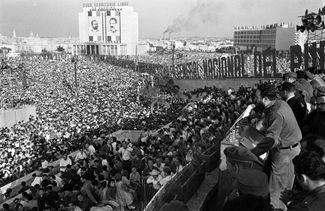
(105,100)
(123,165)
(107,173)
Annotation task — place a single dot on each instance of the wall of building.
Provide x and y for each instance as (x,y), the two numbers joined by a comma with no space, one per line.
(278,38)
(142,48)
(83,26)
(125,39)
(129,29)
(284,38)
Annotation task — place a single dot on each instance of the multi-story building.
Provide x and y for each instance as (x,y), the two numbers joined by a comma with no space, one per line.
(279,37)
(109,28)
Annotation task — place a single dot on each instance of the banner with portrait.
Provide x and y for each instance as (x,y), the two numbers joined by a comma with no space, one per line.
(113,26)
(95,26)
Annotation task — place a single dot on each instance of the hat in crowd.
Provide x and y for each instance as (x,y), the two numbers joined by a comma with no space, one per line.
(254,182)
(154,172)
(239,154)
(290,75)
(174,205)
(319,92)
(301,74)
(87,175)
(309,75)
(320,100)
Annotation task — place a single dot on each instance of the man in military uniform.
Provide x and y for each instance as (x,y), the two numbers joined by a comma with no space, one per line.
(282,141)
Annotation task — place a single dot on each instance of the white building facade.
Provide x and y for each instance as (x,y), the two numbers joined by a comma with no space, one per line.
(278,37)
(109,28)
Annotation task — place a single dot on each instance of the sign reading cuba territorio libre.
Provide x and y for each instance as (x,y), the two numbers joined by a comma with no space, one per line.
(264,64)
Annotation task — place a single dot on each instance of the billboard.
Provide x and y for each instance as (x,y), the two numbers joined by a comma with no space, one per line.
(113,26)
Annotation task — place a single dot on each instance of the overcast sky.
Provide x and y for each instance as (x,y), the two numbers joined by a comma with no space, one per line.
(213,18)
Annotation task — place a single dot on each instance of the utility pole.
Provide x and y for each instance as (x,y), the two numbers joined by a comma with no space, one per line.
(173,57)
(74,60)
(136,58)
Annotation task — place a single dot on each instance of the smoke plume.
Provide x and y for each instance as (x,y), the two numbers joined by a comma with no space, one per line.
(205,12)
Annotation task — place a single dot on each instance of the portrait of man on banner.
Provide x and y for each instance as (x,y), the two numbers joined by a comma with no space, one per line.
(113,28)
(94,26)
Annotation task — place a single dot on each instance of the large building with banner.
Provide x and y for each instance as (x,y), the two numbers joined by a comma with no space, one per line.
(275,36)
(109,28)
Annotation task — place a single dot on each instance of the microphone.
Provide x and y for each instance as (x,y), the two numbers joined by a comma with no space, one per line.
(246,113)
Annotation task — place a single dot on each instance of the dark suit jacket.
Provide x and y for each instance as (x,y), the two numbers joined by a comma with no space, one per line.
(299,109)
(313,201)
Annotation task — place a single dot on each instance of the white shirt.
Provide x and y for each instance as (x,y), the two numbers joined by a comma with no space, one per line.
(126,155)
(155,182)
(164,180)
(290,97)
(36,181)
(161,167)
(80,156)
(58,181)
(179,168)
(91,149)
(104,162)
(64,163)
(45,164)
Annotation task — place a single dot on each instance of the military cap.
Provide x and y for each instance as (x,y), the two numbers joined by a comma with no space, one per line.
(254,182)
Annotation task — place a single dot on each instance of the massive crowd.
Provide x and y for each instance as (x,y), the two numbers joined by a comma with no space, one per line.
(154,158)
(104,101)
(107,173)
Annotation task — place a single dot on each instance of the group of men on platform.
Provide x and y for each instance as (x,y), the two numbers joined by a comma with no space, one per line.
(292,176)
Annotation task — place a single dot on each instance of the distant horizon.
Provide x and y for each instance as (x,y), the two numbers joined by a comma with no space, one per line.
(144,38)
(185,18)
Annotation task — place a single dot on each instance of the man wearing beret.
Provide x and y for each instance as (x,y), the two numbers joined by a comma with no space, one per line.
(304,86)
(238,159)
(315,80)
(282,141)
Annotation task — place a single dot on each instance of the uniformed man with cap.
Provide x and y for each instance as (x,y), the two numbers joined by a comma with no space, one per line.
(237,158)
(315,80)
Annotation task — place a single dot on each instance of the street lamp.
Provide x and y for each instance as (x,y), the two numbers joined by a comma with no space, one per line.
(74,60)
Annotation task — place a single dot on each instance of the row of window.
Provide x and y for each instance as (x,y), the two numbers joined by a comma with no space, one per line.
(108,13)
(99,39)
(247,32)
(105,49)
(247,37)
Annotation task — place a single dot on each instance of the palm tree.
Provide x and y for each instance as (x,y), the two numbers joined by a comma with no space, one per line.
(5,50)
(60,49)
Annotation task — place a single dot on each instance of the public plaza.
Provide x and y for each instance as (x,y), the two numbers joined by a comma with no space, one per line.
(106,122)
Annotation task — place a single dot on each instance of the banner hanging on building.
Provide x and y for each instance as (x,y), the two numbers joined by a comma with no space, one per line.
(95,27)
(113,26)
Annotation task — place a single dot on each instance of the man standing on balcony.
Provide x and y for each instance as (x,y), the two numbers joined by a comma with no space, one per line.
(281,141)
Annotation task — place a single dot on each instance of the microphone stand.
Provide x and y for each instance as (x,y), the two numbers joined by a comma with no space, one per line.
(235,123)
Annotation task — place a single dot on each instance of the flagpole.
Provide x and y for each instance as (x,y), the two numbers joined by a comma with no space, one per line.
(136,58)
(75,74)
